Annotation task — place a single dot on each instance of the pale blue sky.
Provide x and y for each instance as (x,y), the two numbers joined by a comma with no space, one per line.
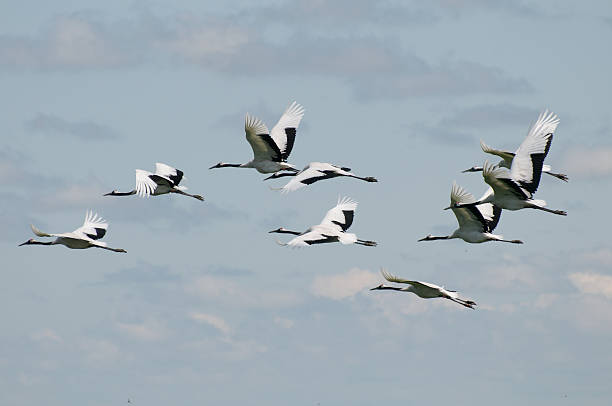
(205,308)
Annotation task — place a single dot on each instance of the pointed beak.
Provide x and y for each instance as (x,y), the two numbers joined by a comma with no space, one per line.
(214,166)
(467,170)
(422,239)
(377,288)
(270,177)
(108,194)
(24,243)
(273,231)
(449,207)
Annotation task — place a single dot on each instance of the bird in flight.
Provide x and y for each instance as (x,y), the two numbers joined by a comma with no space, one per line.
(331,229)
(514,189)
(166,179)
(476,223)
(86,236)
(270,149)
(425,290)
(314,172)
(545,120)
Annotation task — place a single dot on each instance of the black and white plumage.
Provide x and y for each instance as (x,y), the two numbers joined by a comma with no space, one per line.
(331,229)
(314,172)
(425,290)
(271,149)
(514,189)
(547,122)
(476,223)
(86,236)
(166,179)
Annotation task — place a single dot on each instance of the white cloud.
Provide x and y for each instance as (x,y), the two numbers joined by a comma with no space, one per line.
(589,162)
(344,285)
(46,335)
(592,283)
(284,323)
(149,330)
(216,322)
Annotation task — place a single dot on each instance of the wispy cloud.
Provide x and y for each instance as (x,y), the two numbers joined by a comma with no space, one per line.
(148,330)
(47,124)
(592,283)
(373,67)
(46,334)
(216,322)
(589,162)
(347,284)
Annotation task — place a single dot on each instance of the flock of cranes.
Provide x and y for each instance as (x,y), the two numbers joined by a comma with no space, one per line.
(512,184)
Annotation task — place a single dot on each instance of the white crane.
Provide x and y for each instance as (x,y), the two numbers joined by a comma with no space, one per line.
(514,189)
(166,179)
(314,172)
(423,289)
(270,149)
(332,228)
(511,191)
(546,122)
(476,223)
(86,236)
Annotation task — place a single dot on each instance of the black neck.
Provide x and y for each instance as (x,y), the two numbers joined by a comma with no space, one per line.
(288,232)
(115,193)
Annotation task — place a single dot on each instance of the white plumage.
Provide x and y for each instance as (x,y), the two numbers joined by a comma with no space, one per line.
(166,179)
(314,172)
(425,290)
(476,223)
(270,149)
(331,229)
(86,236)
(514,189)
(547,123)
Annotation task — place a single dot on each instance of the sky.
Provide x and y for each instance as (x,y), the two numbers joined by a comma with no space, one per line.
(205,308)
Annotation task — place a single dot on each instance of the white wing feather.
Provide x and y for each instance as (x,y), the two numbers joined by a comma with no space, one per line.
(336,214)
(145,186)
(254,127)
(291,118)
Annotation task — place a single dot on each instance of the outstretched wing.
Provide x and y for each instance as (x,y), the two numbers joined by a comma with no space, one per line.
(467,217)
(94,227)
(257,134)
(314,172)
(285,130)
(341,216)
(501,182)
(417,284)
(145,186)
(312,237)
(527,165)
(166,171)
(489,212)
(505,155)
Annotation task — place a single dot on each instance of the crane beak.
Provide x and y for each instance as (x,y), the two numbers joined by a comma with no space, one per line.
(378,287)
(271,177)
(25,243)
(449,207)
(215,166)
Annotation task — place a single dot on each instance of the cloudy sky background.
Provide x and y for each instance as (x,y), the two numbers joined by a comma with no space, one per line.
(205,308)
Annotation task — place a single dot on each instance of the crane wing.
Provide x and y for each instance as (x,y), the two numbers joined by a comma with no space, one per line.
(341,216)
(314,172)
(527,165)
(468,217)
(93,228)
(283,133)
(499,179)
(489,212)
(166,171)
(312,237)
(416,284)
(145,186)
(505,155)
(257,134)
